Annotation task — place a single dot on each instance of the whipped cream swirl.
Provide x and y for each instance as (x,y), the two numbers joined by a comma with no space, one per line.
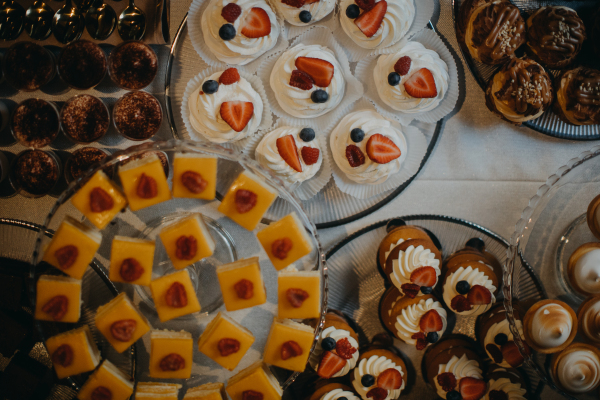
(475,277)
(514,391)
(336,334)
(407,323)
(336,394)
(551,326)
(590,322)
(411,259)
(396,96)
(370,122)
(374,366)
(318,10)
(586,272)
(399,16)
(461,368)
(578,371)
(497,328)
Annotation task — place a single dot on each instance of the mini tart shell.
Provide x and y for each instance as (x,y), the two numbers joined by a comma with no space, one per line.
(442,346)
(591,220)
(433,366)
(583,308)
(339,322)
(577,254)
(388,268)
(496,372)
(328,387)
(489,272)
(383,353)
(556,359)
(528,321)
(469,255)
(401,232)
(393,300)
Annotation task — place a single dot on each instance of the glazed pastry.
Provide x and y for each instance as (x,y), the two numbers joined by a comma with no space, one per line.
(367,147)
(576,369)
(520,91)
(495,337)
(411,80)
(334,391)
(418,321)
(584,269)
(492,30)
(308,81)
(396,235)
(336,351)
(380,374)
(506,380)
(588,317)
(226,108)
(578,96)
(304,12)
(292,153)
(549,326)
(593,216)
(239,32)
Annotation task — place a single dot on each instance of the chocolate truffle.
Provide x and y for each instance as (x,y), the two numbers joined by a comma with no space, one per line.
(35,171)
(133,65)
(35,123)
(84,118)
(82,64)
(81,160)
(137,115)
(28,66)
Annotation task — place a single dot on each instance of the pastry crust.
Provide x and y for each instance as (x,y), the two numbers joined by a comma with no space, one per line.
(388,268)
(469,254)
(528,321)
(557,357)
(512,374)
(444,344)
(489,272)
(328,387)
(578,96)
(591,216)
(402,232)
(577,254)
(391,305)
(384,353)
(583,308)
(445,356)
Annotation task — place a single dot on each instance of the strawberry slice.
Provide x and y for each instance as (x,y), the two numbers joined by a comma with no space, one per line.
(424,276)
(320,71)
(511,354)
(390,379)
(237,114)
(344,348)
(301,80)
(257,24)
(365,5)
(421,85)
(431,322)
(479,295)
(231,12)
(286,146)
(370,21)
(460,303)
(330,365)
(294,3)
(447,381)
(410,289)
(382,150)
(472,388)
(310,155)
(377,393)
(421,340)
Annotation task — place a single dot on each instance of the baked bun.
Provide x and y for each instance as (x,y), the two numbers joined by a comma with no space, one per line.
(578,96)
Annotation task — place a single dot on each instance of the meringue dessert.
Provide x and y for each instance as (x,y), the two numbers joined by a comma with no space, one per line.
(367,147)
(549,326)
(225,108)
(411,80)
(304,12)
(239,31)
(379,374)
(494,335)
(292,153)
(593,216)
(336,336)
(505,383)
(583,269)
(578,96)
(576,369)
(308,81)
(588,317)
(376,25)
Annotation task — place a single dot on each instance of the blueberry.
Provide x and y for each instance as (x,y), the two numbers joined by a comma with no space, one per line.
(500,339)
(476,243)
(463,287)
(227,32)
(328,344)
(433,337)
(394,79)
(305,16)
(453,395)
(426,289)
(367,380)
(307,134)
(357,135)
(319,96)
(210,87)
(352,11)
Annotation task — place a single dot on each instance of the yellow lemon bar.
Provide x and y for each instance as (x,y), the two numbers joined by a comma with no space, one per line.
(299,294)
(194,176)
(247,200)
(131,260)
(73,352)
(144,182)
(171,354)
(255,378)
(174,295)
(157,391)
(187,241)
(225,341)
(241,284)
(121,323)
(58,299)
(288,345)
(107,382)
(208,391)
(99,200)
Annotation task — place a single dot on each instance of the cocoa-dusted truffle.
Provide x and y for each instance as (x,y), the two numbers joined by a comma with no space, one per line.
(28,66)
(137,115)
(83,159)
(84,118)
(133,65)
(82,64)
(35,123)
(36,172)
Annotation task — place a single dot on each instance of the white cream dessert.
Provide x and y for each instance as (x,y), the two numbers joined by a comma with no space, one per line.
(373,134)
(577,369)
(586,272)
(409,321)
(339,394)
(304,12)
(328,334)
(502,327)
(512,390)
(308,81)
(375,366)
(405,64)
(551,326)
(250,30)
(409,261)
(461,367)
(475,276)
(589,320)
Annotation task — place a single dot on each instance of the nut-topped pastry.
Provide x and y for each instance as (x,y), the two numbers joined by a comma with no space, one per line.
(578,96)
(550,326)
(520,91)
(380,374)
(576,369)
(584,269)
(505,384)
(588,317)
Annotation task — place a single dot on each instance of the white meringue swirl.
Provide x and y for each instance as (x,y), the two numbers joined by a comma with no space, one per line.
(461,368)
(410,260)
(318,10)
(475,277)
(551,326)
(590,322)
(497,328)
(514,391)
(374,366)
(586,272)
(578,371)
(336,394)
(407,323)
(336,334)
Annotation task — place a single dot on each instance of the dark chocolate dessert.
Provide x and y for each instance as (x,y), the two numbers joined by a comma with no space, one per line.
(84,118)
(35,123)
(137,115)
(133,65)
(27,66)
(35,171)
(82,64)
(82,160)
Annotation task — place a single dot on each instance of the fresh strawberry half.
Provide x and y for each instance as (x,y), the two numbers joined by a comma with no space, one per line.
(229,76)
(257,24)
(382,150)
(511,354)
(377,393)
(460,303)
(479,295)
(355,156)
(472,388)
(402,66)
(286,146)
(421,85)
(447,381)
(424,276)
(365,5)
(494,352)
(410,289)
(344,348)
(310,155)
(301,80)
(294,3)
(421,340)
(390,379)
(370,21)
(231,12)
(320,71)
(431,322)
(237,114)
(330,365)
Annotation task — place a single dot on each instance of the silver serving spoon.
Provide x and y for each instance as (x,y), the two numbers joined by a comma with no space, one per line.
(132,23)
(100,20)
(68,23)
(38,20)
(12,20)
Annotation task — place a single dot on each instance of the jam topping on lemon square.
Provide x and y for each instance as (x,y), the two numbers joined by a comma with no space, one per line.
(247,200)
(241,284)
(208,391)
(225,341)
(144,182)
(99,200)
(194,176)
(171,354)
(107,382)
(174,295)
(285,241)
(299,294)
(131,260)
(73,247)
(187,241)
(58,299)
(121,323)
(288,345)
(254,382)
(73,352)
(157,391)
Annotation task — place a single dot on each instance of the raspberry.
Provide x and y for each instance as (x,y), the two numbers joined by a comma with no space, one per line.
(460,303)
(231,12)
(447,381)
(294,3)
(421,340)
(402,66)
(344,349)
(410,289)
(301,80)
(229,76)
(365,5)
(355,156)
(310,155)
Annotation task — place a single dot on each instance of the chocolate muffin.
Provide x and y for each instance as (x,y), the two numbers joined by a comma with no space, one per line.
(28,66)
(82,64)
(578,96)
(81,160)
(137,115)
(84,118)
(133,65)
(35,123)
(35,172)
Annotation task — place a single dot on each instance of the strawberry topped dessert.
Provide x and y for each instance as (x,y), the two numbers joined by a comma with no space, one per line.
(379,375)
(304,12)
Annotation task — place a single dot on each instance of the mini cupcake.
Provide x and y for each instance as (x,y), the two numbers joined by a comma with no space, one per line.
(550,326)
(304,12)
(576,369)
(397,235)
(380,374)
(334,391)
(505,383)
(583,269)
(588,317)
(593,216)
(578,96)
(308,81)
(494,335)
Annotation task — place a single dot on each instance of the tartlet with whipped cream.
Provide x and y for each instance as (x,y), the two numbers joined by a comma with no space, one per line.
(304,12)
(583,269)
(505,383)
(333,391)
(576,369)
(550,326)
(380,374)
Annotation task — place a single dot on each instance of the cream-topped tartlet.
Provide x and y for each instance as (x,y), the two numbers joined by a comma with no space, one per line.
(380,374)
(304,12)
(470,287)
(328,342)
(494,335)
(505,384)
(411,80)
(308,81)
